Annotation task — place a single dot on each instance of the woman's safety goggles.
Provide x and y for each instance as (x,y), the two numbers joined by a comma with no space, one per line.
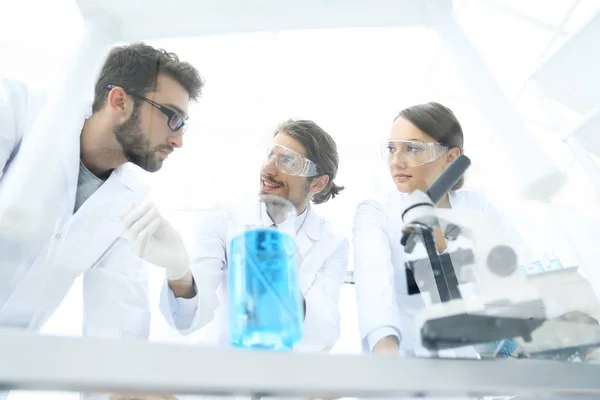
(412,152)
(288,161)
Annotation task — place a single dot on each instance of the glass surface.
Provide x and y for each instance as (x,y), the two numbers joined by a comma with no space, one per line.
(352,81)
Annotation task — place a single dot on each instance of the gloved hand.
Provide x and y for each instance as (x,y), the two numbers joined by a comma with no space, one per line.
(155,240)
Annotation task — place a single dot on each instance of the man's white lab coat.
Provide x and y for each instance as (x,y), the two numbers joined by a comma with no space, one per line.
(37,271)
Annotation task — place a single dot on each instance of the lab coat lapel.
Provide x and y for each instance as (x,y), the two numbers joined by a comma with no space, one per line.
(71,156)
(70,164)
(114,195)
(303,243)
(307,239)
(97,224)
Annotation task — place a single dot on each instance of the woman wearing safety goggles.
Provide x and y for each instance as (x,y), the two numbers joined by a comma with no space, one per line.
(415,158)
(423,141)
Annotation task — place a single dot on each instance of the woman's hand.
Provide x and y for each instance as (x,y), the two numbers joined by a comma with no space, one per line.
(440,241)
(387,345)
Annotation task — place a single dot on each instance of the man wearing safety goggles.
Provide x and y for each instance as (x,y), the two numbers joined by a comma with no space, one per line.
(287,173)
(300,165)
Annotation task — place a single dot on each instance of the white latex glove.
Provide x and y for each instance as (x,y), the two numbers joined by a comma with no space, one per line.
(155,240)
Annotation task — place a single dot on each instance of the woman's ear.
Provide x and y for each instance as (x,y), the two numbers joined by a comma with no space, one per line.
(452,155)
(319,183)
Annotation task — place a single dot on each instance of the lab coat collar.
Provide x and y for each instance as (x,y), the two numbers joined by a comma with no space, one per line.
(309,233)
(128,177)
(312,224)
(301,222)
(70,156)
(300,219)
(308,228)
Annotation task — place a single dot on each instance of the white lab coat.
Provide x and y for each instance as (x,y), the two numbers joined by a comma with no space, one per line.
(37,273)
(384,307)
(324,259)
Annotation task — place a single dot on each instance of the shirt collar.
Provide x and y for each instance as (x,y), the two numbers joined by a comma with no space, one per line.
(298,220)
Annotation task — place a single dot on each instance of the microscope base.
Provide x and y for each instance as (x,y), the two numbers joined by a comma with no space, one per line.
(493,323)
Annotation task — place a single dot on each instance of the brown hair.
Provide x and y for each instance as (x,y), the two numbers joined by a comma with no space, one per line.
(136,66)
(440,123)
(320,149)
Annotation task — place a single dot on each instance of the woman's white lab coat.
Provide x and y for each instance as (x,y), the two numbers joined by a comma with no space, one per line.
(37,272)
(384,307)
(324,259)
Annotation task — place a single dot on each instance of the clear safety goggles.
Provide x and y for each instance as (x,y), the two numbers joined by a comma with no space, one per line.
(412,152)
(288,161)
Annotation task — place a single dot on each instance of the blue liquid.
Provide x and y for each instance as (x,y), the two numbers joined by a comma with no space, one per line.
(555,264)
(535,267)
(265,304)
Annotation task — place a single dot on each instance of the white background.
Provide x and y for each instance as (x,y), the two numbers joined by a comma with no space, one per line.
(352,82)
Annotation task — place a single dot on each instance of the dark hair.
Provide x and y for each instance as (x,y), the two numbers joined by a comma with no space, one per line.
(440,123)
(320,149)
(136,66)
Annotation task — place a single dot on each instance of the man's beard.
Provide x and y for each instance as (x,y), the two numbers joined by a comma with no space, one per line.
(135,145)
(296,200)
(304,196)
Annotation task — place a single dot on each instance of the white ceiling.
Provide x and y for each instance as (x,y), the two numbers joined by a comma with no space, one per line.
(351,81)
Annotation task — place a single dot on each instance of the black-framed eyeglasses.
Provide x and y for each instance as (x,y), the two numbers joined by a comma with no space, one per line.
(175,120)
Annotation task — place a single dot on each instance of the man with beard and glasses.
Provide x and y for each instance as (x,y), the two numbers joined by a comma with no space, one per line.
(138,116)
(300,166)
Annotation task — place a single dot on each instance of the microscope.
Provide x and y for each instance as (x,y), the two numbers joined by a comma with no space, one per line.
(503,305)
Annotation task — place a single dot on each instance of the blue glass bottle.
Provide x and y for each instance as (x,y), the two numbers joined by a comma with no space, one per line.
(554,262)
(265,304)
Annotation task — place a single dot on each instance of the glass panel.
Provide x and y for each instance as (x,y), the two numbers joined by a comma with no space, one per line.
(502,275)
